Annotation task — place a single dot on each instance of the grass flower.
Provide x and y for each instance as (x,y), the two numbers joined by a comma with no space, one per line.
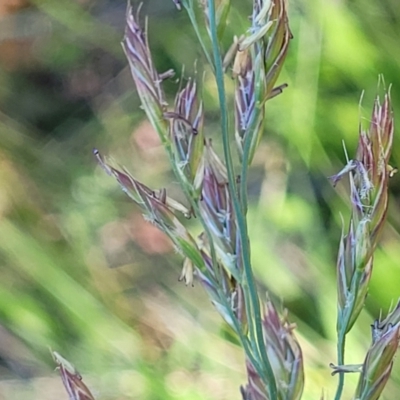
(72,379)
(286,357)
(378,362)
(186,133)
(369,174)
(369,178)
(259,57)
(147,80)
(378,365)
(160,210)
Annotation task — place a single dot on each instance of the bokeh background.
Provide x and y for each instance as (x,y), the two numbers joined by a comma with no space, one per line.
(83,274)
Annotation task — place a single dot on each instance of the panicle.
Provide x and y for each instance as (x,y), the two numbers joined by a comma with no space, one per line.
(225,292)
(186,133)
(277,43)
(250,94)
(217,211)
(378,362)
(286,358)
(368,174)
(72,379)
(258,59)
(146,78)
(138,192)
(179,130)
(160,210)
(381,325)
(374,150)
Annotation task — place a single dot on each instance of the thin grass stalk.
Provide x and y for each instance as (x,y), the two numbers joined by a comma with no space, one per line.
(252,296)
(241,220)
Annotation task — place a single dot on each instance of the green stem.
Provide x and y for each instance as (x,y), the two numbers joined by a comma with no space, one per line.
(245,163)
(340,361)
(243,339)
(269,377)
(343,330)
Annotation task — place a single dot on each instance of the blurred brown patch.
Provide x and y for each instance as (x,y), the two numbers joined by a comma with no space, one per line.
(13,52)
(148,237)
(147,141)
(12,6)
(117,235)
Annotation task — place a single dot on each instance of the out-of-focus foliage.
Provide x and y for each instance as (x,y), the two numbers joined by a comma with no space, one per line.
(82,273)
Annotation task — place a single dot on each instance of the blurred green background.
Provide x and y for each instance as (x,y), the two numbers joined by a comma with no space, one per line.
(83,274)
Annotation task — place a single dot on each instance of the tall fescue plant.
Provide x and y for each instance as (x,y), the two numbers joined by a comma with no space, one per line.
(215,188)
